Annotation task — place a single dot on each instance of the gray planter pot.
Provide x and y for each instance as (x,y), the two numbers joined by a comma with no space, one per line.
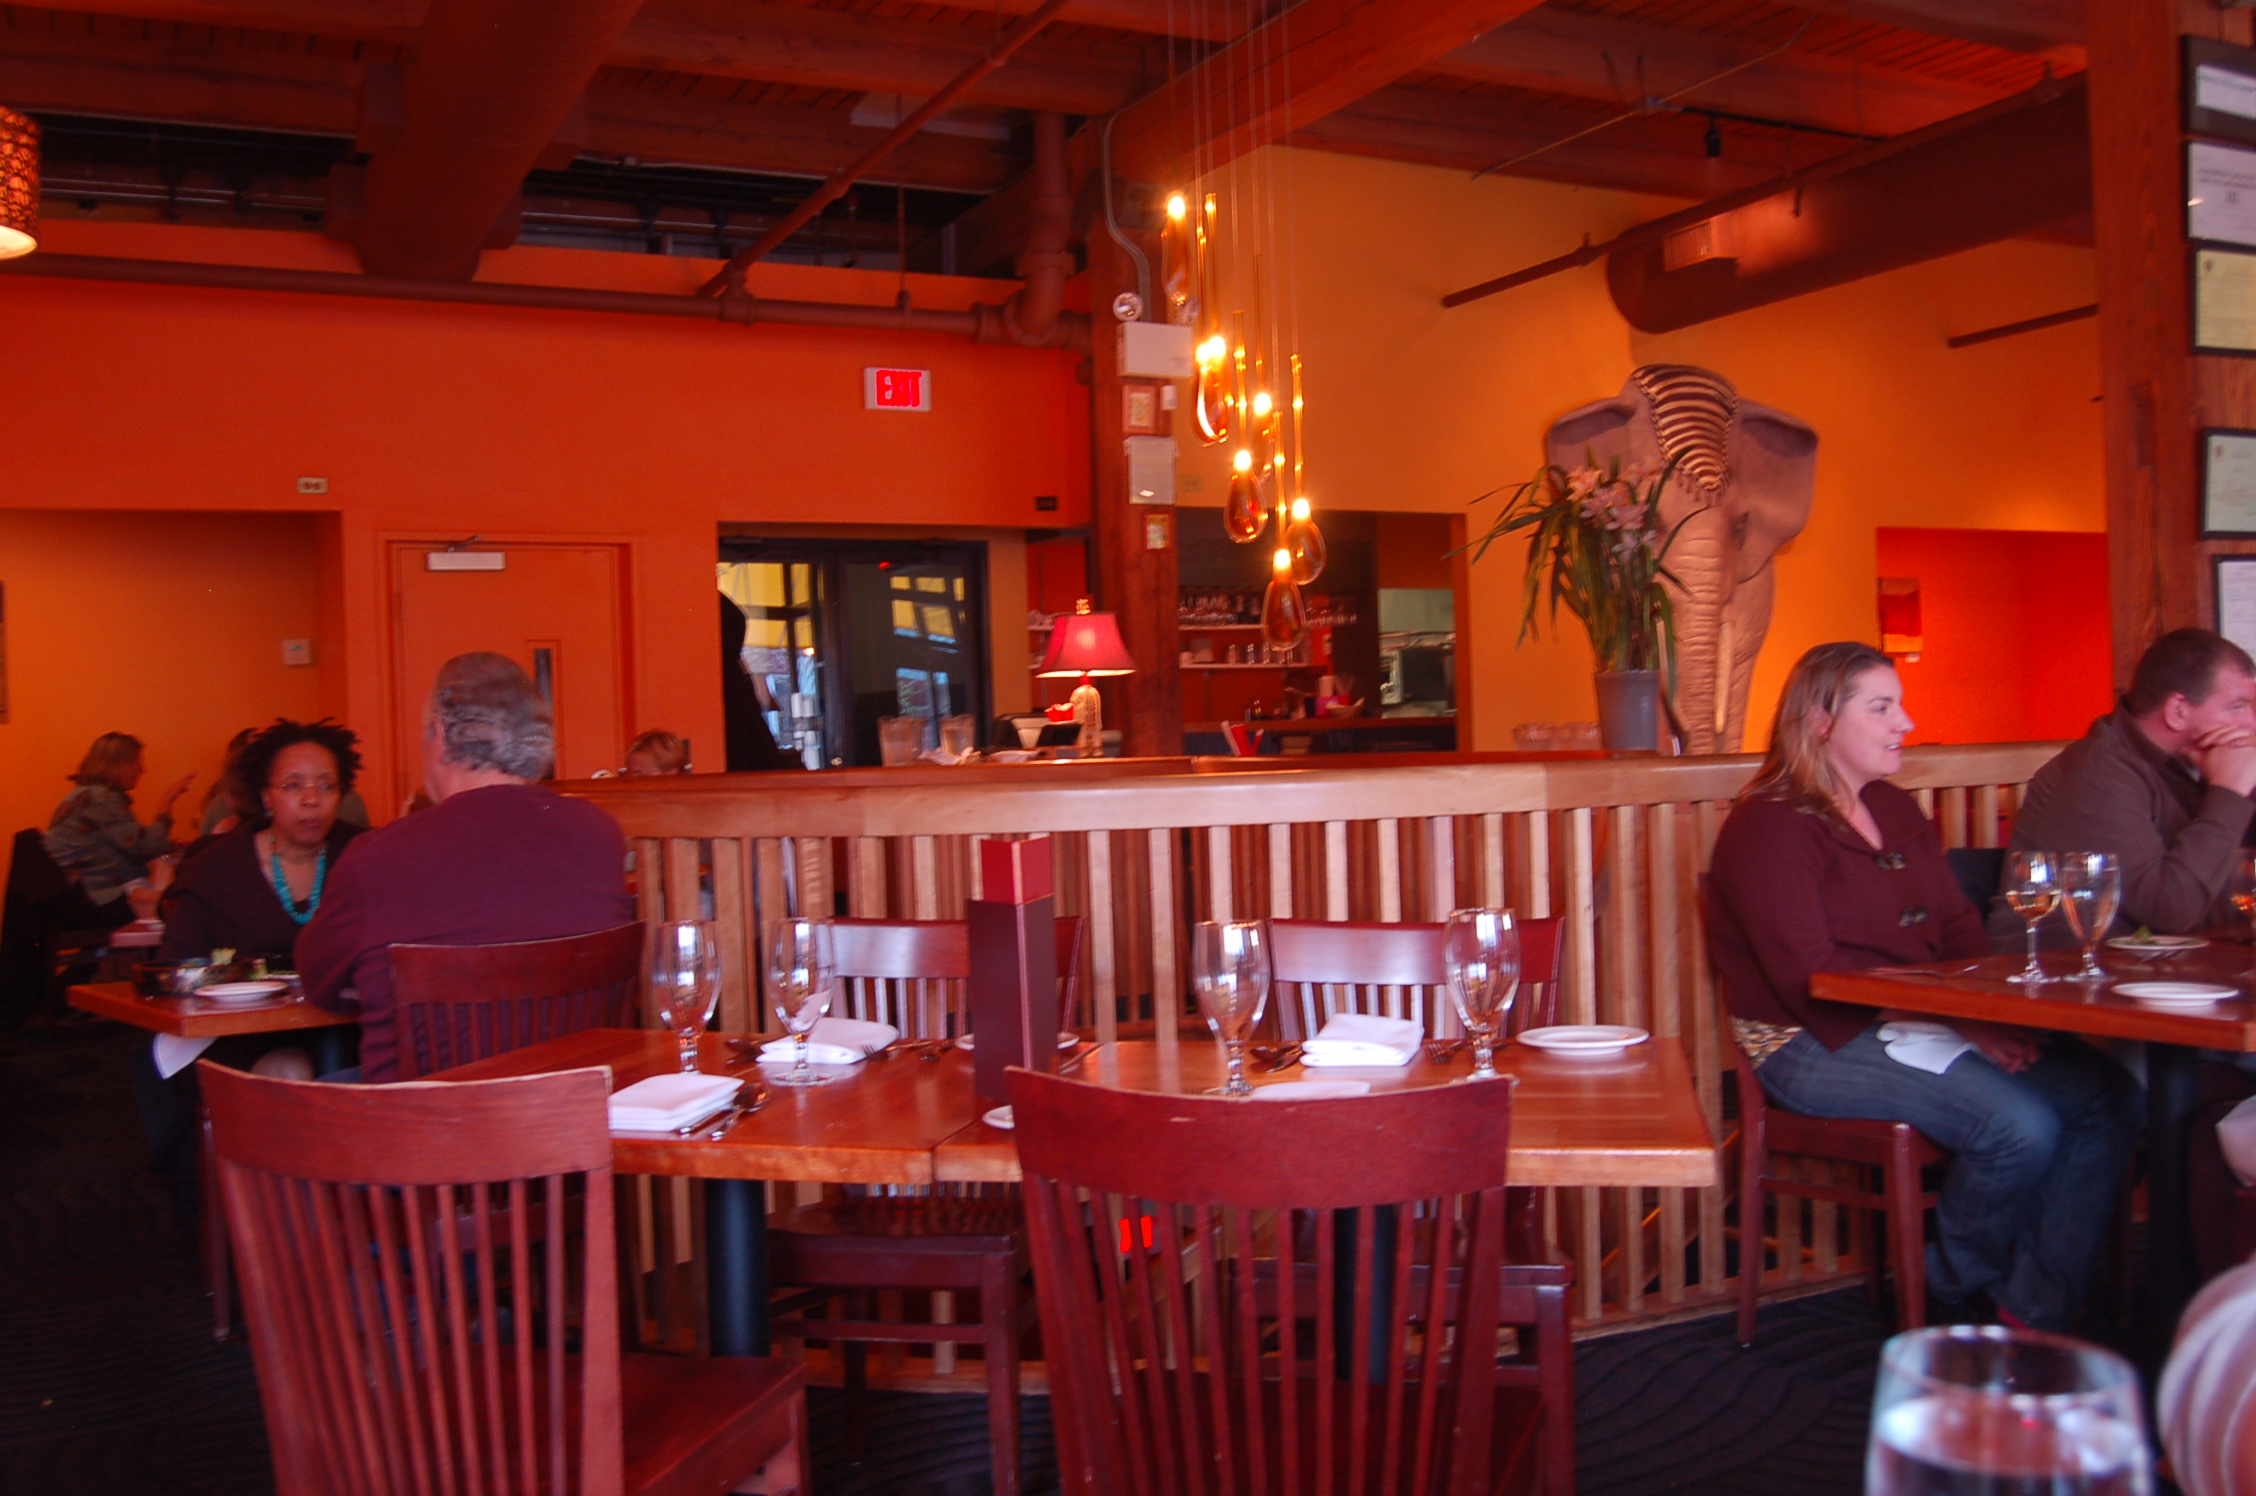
(1629,710)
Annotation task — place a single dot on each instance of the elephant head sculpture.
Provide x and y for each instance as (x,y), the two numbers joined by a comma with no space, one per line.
(1744,480)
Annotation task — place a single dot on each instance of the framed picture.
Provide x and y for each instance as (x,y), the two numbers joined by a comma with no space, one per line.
(2236,600)
(2228,484)
(2220,90)
(2224,300)
(1139,409)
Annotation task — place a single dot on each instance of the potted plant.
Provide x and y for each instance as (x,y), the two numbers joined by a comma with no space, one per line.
(1596,547)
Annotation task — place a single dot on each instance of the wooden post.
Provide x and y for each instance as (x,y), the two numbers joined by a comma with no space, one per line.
(2158,393)
(1136,580)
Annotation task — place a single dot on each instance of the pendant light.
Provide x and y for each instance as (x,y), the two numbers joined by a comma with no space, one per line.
(19,185)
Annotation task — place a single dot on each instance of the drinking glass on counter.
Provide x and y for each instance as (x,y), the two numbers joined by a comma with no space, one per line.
(2091,889)
(2032,890)
(1230,970)
(1983,1410)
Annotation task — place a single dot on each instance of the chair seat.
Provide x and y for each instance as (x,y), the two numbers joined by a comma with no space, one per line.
(935,1241)
(1856,1140)
(697,1426)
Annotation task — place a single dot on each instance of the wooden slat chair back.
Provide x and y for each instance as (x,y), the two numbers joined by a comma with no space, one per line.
(1318,968)
(458,1003)
(1289,1297)
(429,1274)
(914,973)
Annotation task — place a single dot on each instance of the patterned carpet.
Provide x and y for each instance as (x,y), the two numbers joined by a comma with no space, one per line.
(111,1385)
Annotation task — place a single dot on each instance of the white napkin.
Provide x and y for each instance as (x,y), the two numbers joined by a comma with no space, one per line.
(2236,1133)
(1931,1047)
(944,758)
(174,1054)
(832,1041)
(665,1102)
(1311,1090)
(1362,1039)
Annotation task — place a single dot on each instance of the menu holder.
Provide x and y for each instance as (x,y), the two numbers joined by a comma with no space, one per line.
(1013,992)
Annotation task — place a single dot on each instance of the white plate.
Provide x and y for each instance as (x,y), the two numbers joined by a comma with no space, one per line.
(1066,1040)
(1009,755)
(1311,1090)
(241,992)
(2176,994)
(999,1117)
(1589,1040)
(2156,945)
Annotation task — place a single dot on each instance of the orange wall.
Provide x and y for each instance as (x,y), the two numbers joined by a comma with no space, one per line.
(166,626)
(436,422)
(2014,632)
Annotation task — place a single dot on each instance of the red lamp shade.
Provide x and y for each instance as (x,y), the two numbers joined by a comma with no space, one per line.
(1087,644)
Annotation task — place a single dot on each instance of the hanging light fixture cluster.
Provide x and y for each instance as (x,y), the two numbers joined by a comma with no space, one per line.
(19,185)
(1220,249)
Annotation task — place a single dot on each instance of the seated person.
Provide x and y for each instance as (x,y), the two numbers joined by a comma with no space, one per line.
(654,753)
(2163,782)
(251,890)
(498,857)
(94,836)
(1825,866)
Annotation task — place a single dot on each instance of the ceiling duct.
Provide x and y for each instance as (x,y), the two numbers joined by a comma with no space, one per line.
(2005,173)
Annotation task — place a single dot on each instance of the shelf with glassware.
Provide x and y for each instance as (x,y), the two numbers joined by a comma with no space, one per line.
(1231,673)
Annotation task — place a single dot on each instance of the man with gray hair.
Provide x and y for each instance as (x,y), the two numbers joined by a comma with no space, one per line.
(498,857)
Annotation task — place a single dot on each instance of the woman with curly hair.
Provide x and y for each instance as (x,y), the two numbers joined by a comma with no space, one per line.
(252,889)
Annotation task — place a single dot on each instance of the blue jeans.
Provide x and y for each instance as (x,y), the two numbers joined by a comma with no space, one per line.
(2028,1201)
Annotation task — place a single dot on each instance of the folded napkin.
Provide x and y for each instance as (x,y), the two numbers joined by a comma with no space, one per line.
(665,1102)
(2236,1132)
(1362,1039)
(174,1054)
(832,1041)
(1931,1047)
(1311,1090)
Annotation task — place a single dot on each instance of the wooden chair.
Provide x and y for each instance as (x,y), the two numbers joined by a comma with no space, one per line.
(429,1274)
(47,928)
(1194,1345)
(912,973)
(458,1003)
(1899,1152)
(1318,968)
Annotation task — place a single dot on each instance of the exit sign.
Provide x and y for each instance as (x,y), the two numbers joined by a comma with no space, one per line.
(896,389)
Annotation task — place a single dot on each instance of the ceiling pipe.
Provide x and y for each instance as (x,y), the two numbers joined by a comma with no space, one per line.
(982,324)
(1032,311)
(2010,174)
(491,83)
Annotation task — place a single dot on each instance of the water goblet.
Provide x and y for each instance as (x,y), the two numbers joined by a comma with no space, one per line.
(800,973)
(2091,888)
(1230,970)
(1481,955)
(2032,890)
(1988,1409)
(685,980)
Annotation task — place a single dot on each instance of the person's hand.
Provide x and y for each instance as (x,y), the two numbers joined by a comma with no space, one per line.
(2011,1049)
(2228,757)
(172,795)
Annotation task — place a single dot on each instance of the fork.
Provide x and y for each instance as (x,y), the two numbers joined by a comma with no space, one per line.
(1441,1050)
(749,1098)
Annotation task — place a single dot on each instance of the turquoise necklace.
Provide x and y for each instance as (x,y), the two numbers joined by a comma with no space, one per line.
(282,885)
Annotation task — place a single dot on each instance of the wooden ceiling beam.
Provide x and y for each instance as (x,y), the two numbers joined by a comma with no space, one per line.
(2045,27)
(1599,57)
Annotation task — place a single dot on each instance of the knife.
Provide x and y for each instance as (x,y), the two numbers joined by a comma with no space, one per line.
(734,1103)
(750,1098)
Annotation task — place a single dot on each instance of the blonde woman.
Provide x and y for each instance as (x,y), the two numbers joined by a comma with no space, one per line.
(94,834)
(1825,866)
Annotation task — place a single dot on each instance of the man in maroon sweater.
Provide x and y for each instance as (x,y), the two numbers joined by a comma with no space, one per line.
(496,858)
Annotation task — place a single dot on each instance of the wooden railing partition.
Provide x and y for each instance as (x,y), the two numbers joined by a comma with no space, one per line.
(1145,850)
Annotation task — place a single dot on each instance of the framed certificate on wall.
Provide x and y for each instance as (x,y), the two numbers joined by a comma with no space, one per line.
(2228,484)
(2236,600)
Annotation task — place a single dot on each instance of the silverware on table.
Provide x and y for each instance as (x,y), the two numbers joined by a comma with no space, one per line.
(1441,1051)
(749,1097)
(1275,1057)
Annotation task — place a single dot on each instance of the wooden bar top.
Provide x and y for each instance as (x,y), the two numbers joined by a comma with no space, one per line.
(199,1018)
(1978,989)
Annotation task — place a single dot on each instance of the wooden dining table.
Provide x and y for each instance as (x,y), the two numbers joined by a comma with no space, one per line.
(1632,1120)
(2174,1038)
(201,1018)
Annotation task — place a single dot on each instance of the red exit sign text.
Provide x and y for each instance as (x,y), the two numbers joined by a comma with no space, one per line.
(896,389)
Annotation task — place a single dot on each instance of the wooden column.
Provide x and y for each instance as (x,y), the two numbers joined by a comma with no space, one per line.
(1135,580)
(2158,394)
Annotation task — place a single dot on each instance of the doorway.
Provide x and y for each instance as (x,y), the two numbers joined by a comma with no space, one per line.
(840,633)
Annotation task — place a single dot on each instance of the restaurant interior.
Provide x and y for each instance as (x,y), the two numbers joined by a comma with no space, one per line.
(1115,430)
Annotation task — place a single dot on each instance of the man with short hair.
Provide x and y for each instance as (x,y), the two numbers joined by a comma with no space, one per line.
(497,857)
(2163,782)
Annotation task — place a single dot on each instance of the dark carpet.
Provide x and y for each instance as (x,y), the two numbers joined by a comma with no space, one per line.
(111,1385)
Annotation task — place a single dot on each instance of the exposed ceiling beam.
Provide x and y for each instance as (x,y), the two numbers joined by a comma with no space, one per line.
(1599,57)
(195,83)
(2042,26)
(1317,57)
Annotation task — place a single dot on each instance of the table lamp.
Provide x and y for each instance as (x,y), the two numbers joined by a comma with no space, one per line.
(1087,644)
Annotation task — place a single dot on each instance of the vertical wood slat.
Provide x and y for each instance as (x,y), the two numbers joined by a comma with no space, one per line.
(1167,988)
(1335,870)
(1667,953)
(1280,871)
(1390,870)
(739,950)
(1985,828)
(1581,977)
(1102,972)
(1221,880)
(924,873)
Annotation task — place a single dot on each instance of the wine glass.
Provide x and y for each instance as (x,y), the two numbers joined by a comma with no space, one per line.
(2244,886)
(800,973)
(1481,954)
(685,980)
(1230,969)
(1984,1408)
(2091,888)
(2032,890)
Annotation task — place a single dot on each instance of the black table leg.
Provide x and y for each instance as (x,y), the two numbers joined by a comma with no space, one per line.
(736,1247)
(2171,1095)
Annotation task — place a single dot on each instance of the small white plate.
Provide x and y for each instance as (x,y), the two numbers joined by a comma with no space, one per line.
(241,992)
(1311,1090)
(2154,947)
(1009,755)
(2176,994)
(999,1117)
(1066,1040)
(1585,1040)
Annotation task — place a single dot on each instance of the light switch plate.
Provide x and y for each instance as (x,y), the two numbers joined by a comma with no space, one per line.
(297,651)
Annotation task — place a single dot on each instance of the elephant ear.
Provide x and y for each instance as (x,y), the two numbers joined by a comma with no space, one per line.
(1773,481)
(1603,428)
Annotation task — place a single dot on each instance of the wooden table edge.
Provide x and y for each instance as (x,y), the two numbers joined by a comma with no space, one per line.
(2153,1025)
(118,1002)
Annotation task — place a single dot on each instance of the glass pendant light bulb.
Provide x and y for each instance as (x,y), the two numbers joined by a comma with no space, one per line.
(1262,405)
(1304,544)
(1244,516)
(1284,617)
(1177,206)
(1210,393)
